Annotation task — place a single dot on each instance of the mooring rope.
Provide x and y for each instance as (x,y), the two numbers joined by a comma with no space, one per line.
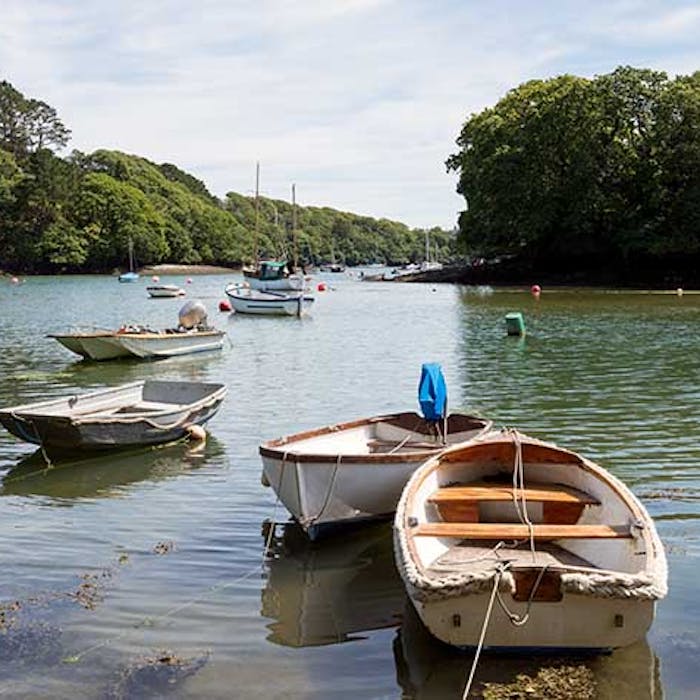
(487,618)
(519,488)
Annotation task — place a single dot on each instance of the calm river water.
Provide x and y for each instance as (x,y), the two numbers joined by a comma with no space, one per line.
(109,560)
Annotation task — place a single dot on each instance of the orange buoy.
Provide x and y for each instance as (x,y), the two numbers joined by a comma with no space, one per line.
(224,305)
(321,287)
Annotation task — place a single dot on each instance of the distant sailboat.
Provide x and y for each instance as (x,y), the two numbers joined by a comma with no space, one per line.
(429,264)
(130,276)
(266,275)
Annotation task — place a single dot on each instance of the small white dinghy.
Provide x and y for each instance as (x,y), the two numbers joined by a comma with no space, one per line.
(352,472)
(165,291)
(570,555)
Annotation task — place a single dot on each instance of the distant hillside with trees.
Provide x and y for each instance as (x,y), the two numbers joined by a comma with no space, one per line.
(585,180)
(78,213)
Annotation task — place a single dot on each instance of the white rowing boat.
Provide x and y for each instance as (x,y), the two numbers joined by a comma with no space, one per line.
(572,557)
(351,472)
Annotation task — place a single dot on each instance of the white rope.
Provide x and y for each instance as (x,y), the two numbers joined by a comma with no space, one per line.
(484,626)
(519,487)
(520,620)
(313,518)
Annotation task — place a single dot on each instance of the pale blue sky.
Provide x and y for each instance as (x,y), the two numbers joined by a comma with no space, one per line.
(357,101)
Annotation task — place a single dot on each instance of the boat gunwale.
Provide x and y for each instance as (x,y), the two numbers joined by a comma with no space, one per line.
(278,449)
(117,335)
(15,412)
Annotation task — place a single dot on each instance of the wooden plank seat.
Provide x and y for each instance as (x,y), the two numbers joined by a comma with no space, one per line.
(485,491)
(518,531)
(560,504)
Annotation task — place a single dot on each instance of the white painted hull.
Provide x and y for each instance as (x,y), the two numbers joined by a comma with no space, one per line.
(109,346)
(576,622)
(597,567)
(171,345)
(252,301)
(335,475)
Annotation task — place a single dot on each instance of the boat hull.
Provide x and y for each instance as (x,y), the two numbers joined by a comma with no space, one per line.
(167,291)
(142,413)
(329,478)
(576,622)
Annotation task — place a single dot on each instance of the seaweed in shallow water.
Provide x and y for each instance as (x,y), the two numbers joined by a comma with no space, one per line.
(551,683)
(157,674)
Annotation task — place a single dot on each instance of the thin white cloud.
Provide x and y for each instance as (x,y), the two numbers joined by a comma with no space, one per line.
(358,101)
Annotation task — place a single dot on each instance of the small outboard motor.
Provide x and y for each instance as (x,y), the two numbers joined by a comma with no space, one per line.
(193,315)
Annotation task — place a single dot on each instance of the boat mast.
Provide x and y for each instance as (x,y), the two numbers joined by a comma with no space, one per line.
(131,255)
(257,212)
(427,247)
(294,227)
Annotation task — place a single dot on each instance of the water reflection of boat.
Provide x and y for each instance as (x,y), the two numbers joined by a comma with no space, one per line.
(102,476)
(331,594)
(427,669)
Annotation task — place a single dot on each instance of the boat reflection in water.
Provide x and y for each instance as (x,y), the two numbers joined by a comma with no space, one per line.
(74,476)
(331,592)
(427,669)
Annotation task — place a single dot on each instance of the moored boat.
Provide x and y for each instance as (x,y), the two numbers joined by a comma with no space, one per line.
(140,413)
(245,300)
(571,555)
(164,291)
(191,335)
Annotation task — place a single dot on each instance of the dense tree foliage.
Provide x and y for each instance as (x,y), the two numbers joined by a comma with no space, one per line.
(573,172)
(79,213)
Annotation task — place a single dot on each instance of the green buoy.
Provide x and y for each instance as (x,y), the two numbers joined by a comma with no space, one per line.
(515,325)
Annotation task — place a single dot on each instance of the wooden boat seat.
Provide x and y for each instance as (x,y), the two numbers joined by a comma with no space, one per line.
(561,504)
(518,531)
(484,491)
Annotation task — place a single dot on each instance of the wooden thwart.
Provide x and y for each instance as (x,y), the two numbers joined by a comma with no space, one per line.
(517,531)
(484,491)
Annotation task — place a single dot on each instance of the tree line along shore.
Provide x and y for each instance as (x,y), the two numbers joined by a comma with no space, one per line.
(567,180)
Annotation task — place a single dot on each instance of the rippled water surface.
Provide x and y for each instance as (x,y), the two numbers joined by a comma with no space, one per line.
(109,560)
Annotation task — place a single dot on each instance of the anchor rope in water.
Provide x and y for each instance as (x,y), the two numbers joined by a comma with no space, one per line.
(487,618)
(216,588)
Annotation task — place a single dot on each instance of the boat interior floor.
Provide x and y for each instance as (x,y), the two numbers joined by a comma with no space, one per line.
(476,556)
